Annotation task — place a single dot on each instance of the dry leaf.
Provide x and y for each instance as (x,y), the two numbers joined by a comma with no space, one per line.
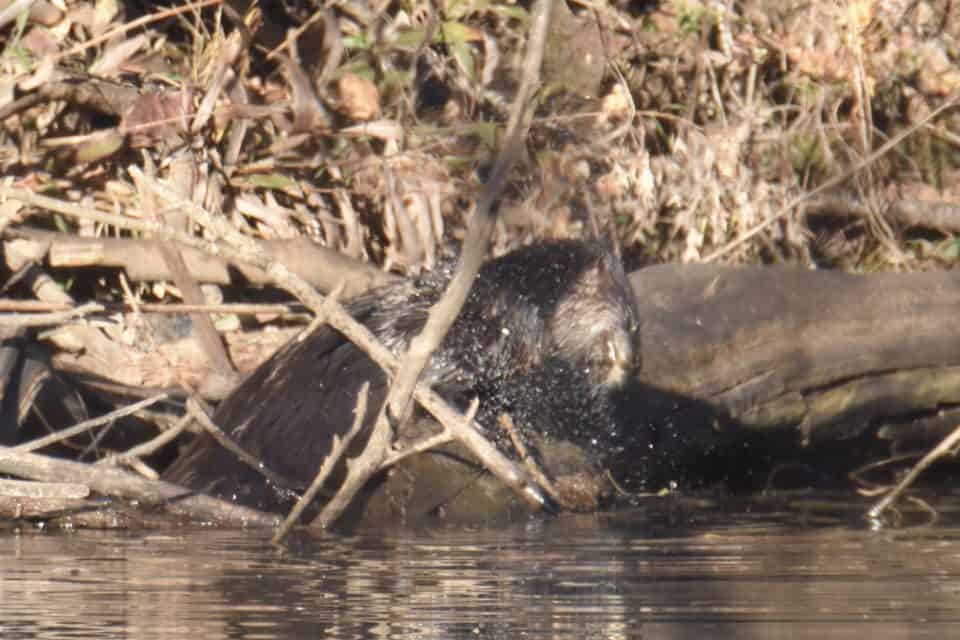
(359,98)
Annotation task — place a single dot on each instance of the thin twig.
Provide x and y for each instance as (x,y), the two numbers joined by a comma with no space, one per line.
(50,319)
(506,423)
(142,468)
(198,413)
(426,444)
(941,450)
(136,24)
(76,310)
(835,182)
(336,453)
(204,332)
(87,425)
(133,221)
(359,472)
(481,225)
(150,446)
(429,442)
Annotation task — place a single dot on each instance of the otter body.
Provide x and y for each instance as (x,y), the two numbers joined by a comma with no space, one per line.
(548,334)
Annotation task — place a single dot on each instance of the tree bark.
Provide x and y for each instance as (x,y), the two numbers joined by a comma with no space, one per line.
(827,352)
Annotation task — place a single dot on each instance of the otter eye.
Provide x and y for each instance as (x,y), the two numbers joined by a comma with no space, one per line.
(616,367)
(613,355)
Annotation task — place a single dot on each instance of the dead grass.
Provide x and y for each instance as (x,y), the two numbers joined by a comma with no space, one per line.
(367,133)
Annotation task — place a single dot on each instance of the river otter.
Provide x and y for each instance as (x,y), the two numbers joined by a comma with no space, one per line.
(548,333)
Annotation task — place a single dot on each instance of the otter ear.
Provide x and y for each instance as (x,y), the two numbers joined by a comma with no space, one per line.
(602,268)
(608,249)
(604,271)
(595,276)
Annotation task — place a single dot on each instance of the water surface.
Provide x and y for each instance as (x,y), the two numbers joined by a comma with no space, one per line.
(667,570)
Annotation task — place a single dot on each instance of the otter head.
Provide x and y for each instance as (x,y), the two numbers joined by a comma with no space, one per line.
(595,324)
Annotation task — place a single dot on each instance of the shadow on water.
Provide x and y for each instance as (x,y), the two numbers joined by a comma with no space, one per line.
(783,566)
(675,441)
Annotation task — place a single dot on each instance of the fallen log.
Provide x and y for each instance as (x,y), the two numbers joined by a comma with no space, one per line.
(825,352)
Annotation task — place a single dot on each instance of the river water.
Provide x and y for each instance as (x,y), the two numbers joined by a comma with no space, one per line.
(667,569)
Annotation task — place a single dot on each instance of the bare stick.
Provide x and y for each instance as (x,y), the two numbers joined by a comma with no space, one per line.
(336,452)
(359,470)
(482,223)
(429,442)
(141,467)
(142,259)
(116,482)
(941,450)
(151,446)
(426,444)
(35,489)
(136,24)
(76,311)
(12,10)
(87,425)
(507,424)
(206,335)
(133,222)
(50,319)
(443,314)
(198,413)
(242,250)
(491,457)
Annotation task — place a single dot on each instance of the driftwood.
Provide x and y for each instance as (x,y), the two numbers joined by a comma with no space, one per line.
(827,352)
(115,482)
(142,260)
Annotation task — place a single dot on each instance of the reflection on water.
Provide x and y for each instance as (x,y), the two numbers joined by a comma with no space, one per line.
(654,573)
